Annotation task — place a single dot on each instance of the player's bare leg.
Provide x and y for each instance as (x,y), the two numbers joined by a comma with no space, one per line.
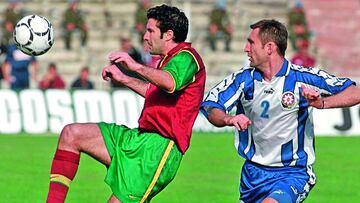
(74,139)
(113,199)
(85,138)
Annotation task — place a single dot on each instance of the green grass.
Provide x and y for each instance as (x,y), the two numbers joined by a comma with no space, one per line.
(209,171)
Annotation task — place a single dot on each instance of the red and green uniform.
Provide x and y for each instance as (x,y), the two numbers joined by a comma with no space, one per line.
(144,160)
(172,114)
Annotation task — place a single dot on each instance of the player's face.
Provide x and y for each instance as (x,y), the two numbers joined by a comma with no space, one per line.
(152,38)
(255,49)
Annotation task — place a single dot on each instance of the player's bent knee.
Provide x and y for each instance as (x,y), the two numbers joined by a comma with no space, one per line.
(69,134)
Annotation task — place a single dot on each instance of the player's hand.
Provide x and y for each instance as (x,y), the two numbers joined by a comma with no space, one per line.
(240,122)
(112,72)
(123,58)
(313,97)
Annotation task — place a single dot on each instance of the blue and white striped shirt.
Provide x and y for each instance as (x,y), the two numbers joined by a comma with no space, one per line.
(281,133)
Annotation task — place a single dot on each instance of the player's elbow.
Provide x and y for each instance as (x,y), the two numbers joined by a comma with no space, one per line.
(216,120)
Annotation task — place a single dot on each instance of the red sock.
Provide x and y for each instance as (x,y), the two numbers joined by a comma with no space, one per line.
(63,170)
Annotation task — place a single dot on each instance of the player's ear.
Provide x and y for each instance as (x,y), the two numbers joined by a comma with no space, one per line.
(169,35)
(270,47)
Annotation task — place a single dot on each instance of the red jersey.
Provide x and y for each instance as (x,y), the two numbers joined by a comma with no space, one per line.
(173,114)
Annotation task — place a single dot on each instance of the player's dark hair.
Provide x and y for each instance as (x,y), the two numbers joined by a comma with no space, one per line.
(170,18)
(272,31)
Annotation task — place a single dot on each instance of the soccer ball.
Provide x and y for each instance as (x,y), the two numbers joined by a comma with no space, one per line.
(34,35)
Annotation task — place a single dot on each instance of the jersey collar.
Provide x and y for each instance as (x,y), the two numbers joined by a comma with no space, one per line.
(178,47)
(284,69)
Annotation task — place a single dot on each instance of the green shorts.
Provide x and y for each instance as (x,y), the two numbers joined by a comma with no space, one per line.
(142,163)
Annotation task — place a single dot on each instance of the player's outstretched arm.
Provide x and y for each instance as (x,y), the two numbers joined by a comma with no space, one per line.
(220,119)
(157,77)
(349,97)
(111,72)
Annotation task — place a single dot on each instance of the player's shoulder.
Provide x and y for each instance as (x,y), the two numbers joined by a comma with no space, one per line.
(302,69)
(244,73)
(188,50)
(185,53)
(189,53)
(244,70)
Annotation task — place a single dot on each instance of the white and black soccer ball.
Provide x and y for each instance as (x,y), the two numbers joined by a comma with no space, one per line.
(34,35)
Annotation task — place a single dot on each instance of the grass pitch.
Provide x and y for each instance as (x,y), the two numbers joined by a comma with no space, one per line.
(209,171)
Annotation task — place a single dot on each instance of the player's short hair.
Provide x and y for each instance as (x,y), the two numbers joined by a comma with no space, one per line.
(272,31)
(170,18)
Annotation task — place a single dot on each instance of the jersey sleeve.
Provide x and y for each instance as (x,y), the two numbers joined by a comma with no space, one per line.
(326,83)
(182,68)
(225,95)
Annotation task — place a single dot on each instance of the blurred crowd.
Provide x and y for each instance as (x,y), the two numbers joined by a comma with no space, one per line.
(300,35)
(19,71)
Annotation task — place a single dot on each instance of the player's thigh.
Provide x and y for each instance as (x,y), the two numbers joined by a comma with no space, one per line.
(293,188)
(87,138)
(285,184)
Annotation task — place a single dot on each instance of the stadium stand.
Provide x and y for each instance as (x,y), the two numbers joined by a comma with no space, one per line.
(103,39)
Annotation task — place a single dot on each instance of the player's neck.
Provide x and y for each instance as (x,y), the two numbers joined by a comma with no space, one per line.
(274,66)
(168,47)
